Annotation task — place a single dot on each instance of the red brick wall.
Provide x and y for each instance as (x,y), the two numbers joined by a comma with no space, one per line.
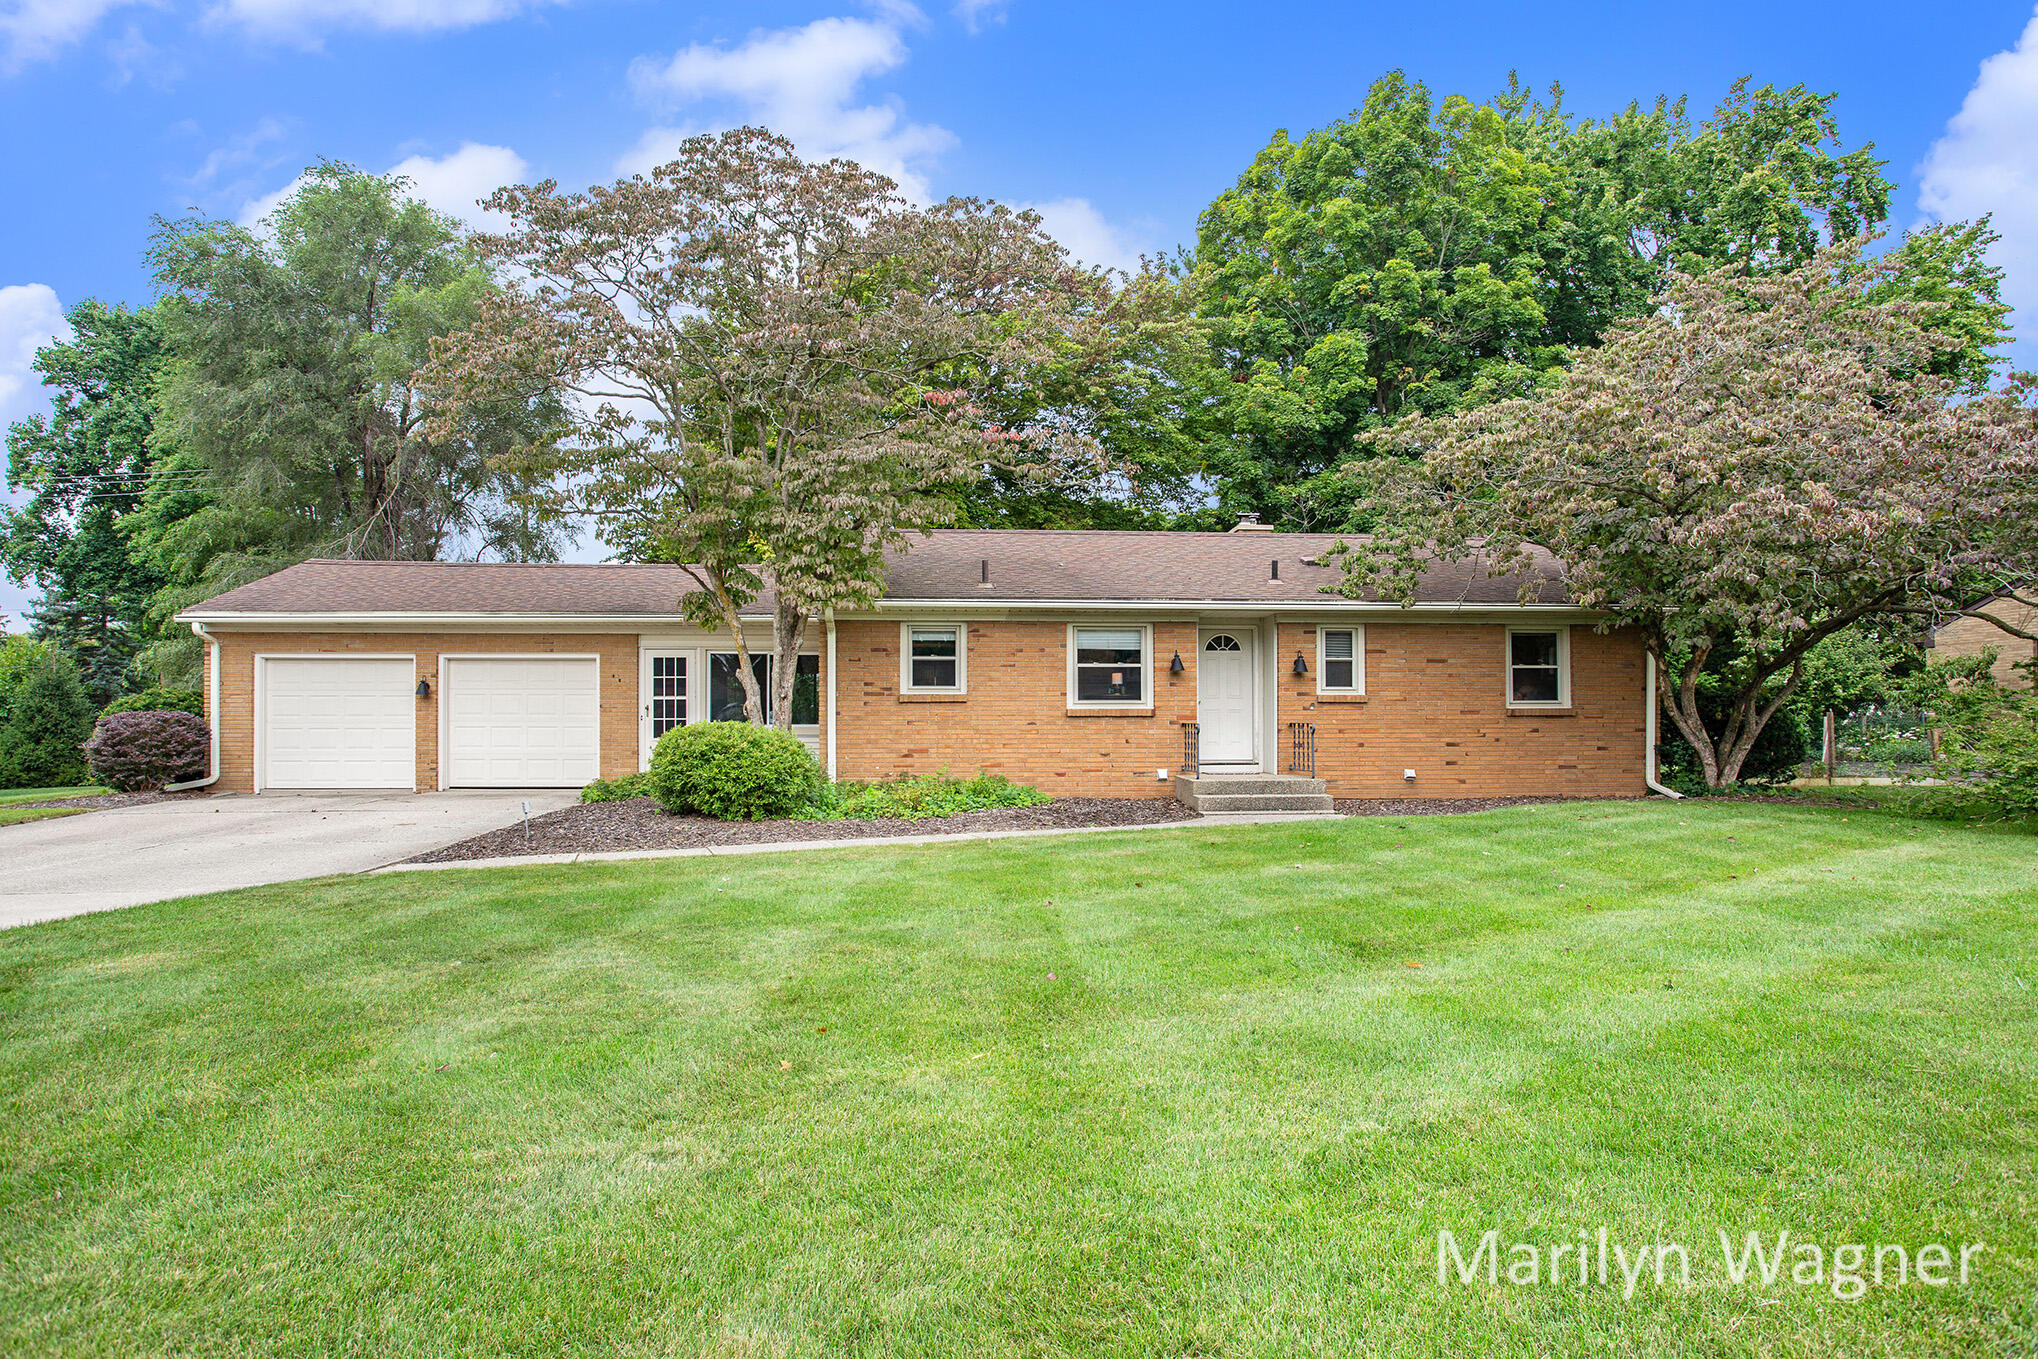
(1435,702)
(1015,720)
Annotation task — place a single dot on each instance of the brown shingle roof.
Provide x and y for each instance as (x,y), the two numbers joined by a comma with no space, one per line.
(1023,565)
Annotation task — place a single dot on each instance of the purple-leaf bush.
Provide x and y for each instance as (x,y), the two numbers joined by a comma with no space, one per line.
(140,752)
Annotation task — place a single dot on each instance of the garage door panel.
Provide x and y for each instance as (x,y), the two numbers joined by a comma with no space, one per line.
(523,722)
(339,722)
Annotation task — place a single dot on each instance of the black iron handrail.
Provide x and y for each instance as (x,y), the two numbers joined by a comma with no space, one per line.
(1192,744)
(1302,749)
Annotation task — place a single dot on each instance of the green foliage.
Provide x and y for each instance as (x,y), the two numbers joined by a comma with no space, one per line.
(86,465)
(1898,750)
(46,718)
(294,404)
(733,771)
(1430,256)
(1783,745)
(918,796)
(136,752)
(158,700)
(1855,668)
(618,790)
(1988,736)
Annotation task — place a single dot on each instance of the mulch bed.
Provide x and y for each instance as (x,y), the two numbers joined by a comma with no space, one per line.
(639,823)
(1440,806)
(99,802)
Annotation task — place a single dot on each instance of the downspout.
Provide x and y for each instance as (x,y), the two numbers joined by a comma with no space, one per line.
(829,618)
(1651,705)
(212,698)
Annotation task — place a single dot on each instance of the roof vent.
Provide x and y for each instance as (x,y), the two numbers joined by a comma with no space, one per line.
(1277,570)
(984,573)
(1250,523)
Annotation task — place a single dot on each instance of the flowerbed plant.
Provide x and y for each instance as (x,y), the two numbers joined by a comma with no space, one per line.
(918,796)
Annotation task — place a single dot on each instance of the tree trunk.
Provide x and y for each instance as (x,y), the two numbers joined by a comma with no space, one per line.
(788,630)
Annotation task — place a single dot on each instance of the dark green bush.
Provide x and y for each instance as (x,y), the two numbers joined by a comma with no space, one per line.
(1779,750)
(733,771)
(140,752)
(617,790)
(158,701)
(47,721)
(922,795)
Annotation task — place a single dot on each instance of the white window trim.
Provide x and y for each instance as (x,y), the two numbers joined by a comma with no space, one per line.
(1563,631)
(906,685)
(1145,703)
(1358,684)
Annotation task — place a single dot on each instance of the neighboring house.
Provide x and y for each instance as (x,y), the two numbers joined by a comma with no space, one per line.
(1972,636)
(1086,663)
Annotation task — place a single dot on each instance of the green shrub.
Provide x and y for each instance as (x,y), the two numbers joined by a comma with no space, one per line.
(918,796)
(733,771)
(158,701)
(1898,750)
(46,723)
(1988,740)
(617,790)
(1779,749)
(140,752)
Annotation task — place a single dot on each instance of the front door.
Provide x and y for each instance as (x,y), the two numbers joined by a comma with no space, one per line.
(1225,710)
(667,682)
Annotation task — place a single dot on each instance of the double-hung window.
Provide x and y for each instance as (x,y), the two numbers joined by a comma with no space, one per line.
(1108,667)
(933,659)
(1341,660)
(1538,662)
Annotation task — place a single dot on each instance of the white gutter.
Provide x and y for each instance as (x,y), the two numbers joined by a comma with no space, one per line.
(829,618)
(1651,705)
(212,699)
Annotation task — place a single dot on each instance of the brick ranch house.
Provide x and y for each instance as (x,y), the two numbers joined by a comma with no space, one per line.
(1088,663)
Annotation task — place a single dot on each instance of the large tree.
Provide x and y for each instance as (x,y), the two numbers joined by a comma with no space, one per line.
(783,369)
(1764,463)
(85,465)
(295,391)
(1426,256)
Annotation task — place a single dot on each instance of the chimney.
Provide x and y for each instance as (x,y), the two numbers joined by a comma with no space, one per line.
(1250,523)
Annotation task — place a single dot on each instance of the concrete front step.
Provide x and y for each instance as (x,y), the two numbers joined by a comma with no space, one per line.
(1251,793)
(1263,802)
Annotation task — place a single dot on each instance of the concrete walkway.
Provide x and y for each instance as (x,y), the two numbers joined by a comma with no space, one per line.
(1204,822)
(126,856)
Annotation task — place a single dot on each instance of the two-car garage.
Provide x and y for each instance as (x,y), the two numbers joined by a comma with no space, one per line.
(351,721)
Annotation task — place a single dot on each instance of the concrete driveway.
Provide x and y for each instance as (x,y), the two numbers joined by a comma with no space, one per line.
(69,865)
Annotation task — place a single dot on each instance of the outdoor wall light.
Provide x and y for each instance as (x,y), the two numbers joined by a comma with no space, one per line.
(424,688)
(1301,667)
(1175,666)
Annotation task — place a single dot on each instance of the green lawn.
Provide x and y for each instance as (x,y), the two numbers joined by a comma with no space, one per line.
(12,796)
(14,816)
(1184,1092)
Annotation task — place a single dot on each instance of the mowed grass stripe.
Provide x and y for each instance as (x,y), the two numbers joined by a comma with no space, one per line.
(1174,1092)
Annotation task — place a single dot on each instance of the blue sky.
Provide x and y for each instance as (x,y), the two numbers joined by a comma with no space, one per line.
(1120,122)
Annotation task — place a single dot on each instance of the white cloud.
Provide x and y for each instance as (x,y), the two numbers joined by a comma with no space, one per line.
(1987,162)
(802,84)
(1083,232)
(305,19)
(30,317)
(976,15)
(32,30)
(239,151)
(455,184)
(452,183)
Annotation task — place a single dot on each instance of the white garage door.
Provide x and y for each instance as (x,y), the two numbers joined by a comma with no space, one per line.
(339,722)
(522,722)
